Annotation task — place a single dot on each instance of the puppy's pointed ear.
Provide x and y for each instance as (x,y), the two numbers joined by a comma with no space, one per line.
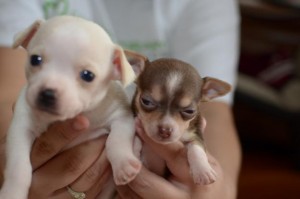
(212,88)
(23,38)
(136,60)
(122,69)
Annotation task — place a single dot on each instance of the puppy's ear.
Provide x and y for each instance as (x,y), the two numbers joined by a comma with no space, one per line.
(122,69)
(136,60)
(212,88)
(23,38)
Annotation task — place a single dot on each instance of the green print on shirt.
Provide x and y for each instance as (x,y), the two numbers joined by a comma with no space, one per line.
(55,7)
(138,46)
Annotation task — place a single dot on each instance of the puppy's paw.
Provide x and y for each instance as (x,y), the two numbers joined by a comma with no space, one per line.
(126,170)
(204,175)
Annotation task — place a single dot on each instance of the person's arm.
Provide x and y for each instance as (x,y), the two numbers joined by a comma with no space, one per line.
(223,144)
(12,78)
(84,167)
(15,16)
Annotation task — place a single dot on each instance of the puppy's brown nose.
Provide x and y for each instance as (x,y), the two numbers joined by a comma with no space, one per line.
(164,131)
(46,98)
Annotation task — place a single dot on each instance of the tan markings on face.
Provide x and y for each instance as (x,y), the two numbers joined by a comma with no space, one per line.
(137,104)
(182,124)
(185,101)
(192,136)
(156,93)
(173,81)
(152,120)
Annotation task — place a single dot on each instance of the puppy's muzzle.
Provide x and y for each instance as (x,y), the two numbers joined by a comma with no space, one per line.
(164,132)
(47,100)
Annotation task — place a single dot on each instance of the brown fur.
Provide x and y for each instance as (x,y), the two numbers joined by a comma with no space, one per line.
(167,101)
(155,73)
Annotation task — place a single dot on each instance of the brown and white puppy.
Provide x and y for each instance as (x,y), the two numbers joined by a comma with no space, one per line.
(74,68)
(166,101)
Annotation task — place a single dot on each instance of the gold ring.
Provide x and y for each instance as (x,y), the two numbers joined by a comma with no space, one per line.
(75,194)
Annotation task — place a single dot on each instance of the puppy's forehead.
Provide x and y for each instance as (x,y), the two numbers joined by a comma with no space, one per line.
(156,92)
(185,101)
(73,40)
(71,31)
(173,82)
(176,79)
(72,26)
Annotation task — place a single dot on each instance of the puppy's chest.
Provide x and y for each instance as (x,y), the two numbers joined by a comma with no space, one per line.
(101,119)
(114,106)
(192,136)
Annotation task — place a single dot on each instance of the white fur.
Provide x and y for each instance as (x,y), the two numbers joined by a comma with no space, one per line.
(173,80)
(200,168)
(69,45)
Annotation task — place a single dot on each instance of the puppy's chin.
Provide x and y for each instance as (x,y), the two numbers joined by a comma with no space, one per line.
(156,138)
(52,115)
(59,113)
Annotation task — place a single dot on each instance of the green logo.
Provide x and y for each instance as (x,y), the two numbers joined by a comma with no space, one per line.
(55,7)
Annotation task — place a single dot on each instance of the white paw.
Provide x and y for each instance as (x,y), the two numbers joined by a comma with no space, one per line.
(126,170)
(204,175)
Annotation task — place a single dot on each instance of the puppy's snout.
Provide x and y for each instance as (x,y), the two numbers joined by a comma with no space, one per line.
(164,131)
(47,98)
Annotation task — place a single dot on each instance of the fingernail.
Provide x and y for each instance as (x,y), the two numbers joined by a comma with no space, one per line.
(79,124)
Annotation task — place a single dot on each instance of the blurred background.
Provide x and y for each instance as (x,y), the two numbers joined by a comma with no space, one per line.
(267,101)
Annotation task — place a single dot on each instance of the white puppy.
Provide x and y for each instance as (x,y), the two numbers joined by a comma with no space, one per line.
(73,67)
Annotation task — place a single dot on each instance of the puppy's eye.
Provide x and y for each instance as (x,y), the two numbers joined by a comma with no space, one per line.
(188,113)
(148,103)
(87,75)
(36,60)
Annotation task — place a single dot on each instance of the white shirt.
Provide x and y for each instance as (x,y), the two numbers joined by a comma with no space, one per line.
(204,33)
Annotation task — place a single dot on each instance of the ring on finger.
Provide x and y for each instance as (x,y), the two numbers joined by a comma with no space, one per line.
(75,194)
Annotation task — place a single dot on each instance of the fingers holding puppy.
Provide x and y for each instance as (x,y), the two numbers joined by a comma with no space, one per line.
(83,167)
(56,138)
(94,174)
(74,168)
(148,185)
(176,157)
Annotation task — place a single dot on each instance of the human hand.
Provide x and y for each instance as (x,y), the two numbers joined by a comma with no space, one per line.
(179,185)
(84,167)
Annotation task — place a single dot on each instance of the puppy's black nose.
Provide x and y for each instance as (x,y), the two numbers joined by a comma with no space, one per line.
(47,98)
(164,131)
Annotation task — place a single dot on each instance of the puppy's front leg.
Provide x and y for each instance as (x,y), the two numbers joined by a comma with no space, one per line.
(201,170)
(119,148)
(17,176)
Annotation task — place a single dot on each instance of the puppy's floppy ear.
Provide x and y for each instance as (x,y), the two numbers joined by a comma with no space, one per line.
(122,69)
(23,38)
(136,60)
(212,88)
